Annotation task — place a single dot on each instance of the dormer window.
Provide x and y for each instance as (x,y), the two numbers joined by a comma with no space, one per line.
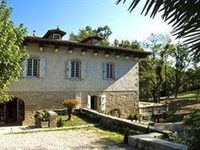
(95,42)
(56,36)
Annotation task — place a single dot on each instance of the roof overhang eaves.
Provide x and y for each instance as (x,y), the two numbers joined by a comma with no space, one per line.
(42,41)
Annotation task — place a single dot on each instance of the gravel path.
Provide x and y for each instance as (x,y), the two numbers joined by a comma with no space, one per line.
(57,140)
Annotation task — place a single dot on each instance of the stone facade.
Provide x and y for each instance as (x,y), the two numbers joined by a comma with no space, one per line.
(126,102)
(49,90)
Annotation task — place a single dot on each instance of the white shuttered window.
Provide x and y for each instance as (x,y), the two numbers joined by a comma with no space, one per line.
(75,69)
(33,66)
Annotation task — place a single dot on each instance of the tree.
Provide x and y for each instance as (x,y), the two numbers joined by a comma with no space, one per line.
(11,52)
(70,104)
(183,15)
(103,32)
(127,44)
(182,61)
(152,69)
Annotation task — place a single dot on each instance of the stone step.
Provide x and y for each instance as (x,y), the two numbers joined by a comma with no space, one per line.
(149,142)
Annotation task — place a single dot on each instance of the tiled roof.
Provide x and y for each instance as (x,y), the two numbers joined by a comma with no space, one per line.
(43,41)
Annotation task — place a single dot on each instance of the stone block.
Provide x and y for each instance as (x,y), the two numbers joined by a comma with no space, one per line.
(147,142)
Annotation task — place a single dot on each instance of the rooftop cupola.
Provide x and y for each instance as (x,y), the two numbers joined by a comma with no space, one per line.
(55,34)
(92,39)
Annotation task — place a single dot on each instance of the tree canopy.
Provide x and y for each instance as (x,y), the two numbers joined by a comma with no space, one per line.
(11,52)
(183,15)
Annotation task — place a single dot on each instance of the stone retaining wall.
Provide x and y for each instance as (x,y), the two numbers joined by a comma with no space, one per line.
(121,123)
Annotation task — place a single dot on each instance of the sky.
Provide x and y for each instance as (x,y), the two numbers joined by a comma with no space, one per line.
(72,15)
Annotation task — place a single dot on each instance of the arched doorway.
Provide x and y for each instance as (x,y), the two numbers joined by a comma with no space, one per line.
(12,112)
(94,102)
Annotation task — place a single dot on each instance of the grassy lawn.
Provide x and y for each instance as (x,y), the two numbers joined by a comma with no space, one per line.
(76,121)
(109,135)
(106,134)
(183,105)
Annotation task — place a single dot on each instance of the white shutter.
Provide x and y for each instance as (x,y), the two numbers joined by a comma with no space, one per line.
(68,69)
(25,65)
(103,102)
(89,102)
(104,71)
(78,97)
(83,69)
(117,71)
(42,67)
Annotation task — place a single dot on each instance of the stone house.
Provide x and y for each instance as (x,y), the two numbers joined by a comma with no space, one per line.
(104,78)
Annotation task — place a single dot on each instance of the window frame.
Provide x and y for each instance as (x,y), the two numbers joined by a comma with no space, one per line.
(55,34)
(110,71)
(74,70)
(32,67)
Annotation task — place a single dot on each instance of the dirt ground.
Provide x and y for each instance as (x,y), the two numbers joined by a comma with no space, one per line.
(59,140)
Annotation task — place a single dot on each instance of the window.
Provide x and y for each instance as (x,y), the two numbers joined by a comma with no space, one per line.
(110,71)
(56,36)
(95,42)
(75,69)
(33,67)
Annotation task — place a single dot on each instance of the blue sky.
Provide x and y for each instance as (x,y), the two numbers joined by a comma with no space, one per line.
(71,15)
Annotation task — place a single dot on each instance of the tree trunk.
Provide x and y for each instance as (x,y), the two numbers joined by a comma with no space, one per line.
(69,113)
(155,96)
(177,85)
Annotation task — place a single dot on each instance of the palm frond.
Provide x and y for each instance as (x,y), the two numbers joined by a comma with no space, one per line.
(183,15)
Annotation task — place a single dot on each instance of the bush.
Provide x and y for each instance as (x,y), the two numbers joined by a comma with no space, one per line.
(42,116)
(60,123)
(135,116)
(191,131)
(70,104)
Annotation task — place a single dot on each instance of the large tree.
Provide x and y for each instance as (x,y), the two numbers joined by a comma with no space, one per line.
(183,15)
(152,69)
(182,61)
(11,52)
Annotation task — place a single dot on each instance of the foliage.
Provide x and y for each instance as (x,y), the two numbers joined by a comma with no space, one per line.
(11,52)
(127,44)
(60,122)
(135,116)
(103,32)
(191,131)
(172,117)
(70,104)
(182,61)
(152,69)
(183,15)
(43,116)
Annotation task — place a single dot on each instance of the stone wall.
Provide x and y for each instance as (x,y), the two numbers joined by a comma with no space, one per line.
(126,102)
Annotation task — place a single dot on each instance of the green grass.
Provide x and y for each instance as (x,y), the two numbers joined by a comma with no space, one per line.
(108,135)
(76,121)
(190,94)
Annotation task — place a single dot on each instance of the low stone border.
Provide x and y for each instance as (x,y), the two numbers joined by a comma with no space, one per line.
(106,119)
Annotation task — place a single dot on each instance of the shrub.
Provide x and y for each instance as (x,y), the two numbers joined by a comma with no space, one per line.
(191,131)
(60,123)
(43,116)
(70,104)
(135,116)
